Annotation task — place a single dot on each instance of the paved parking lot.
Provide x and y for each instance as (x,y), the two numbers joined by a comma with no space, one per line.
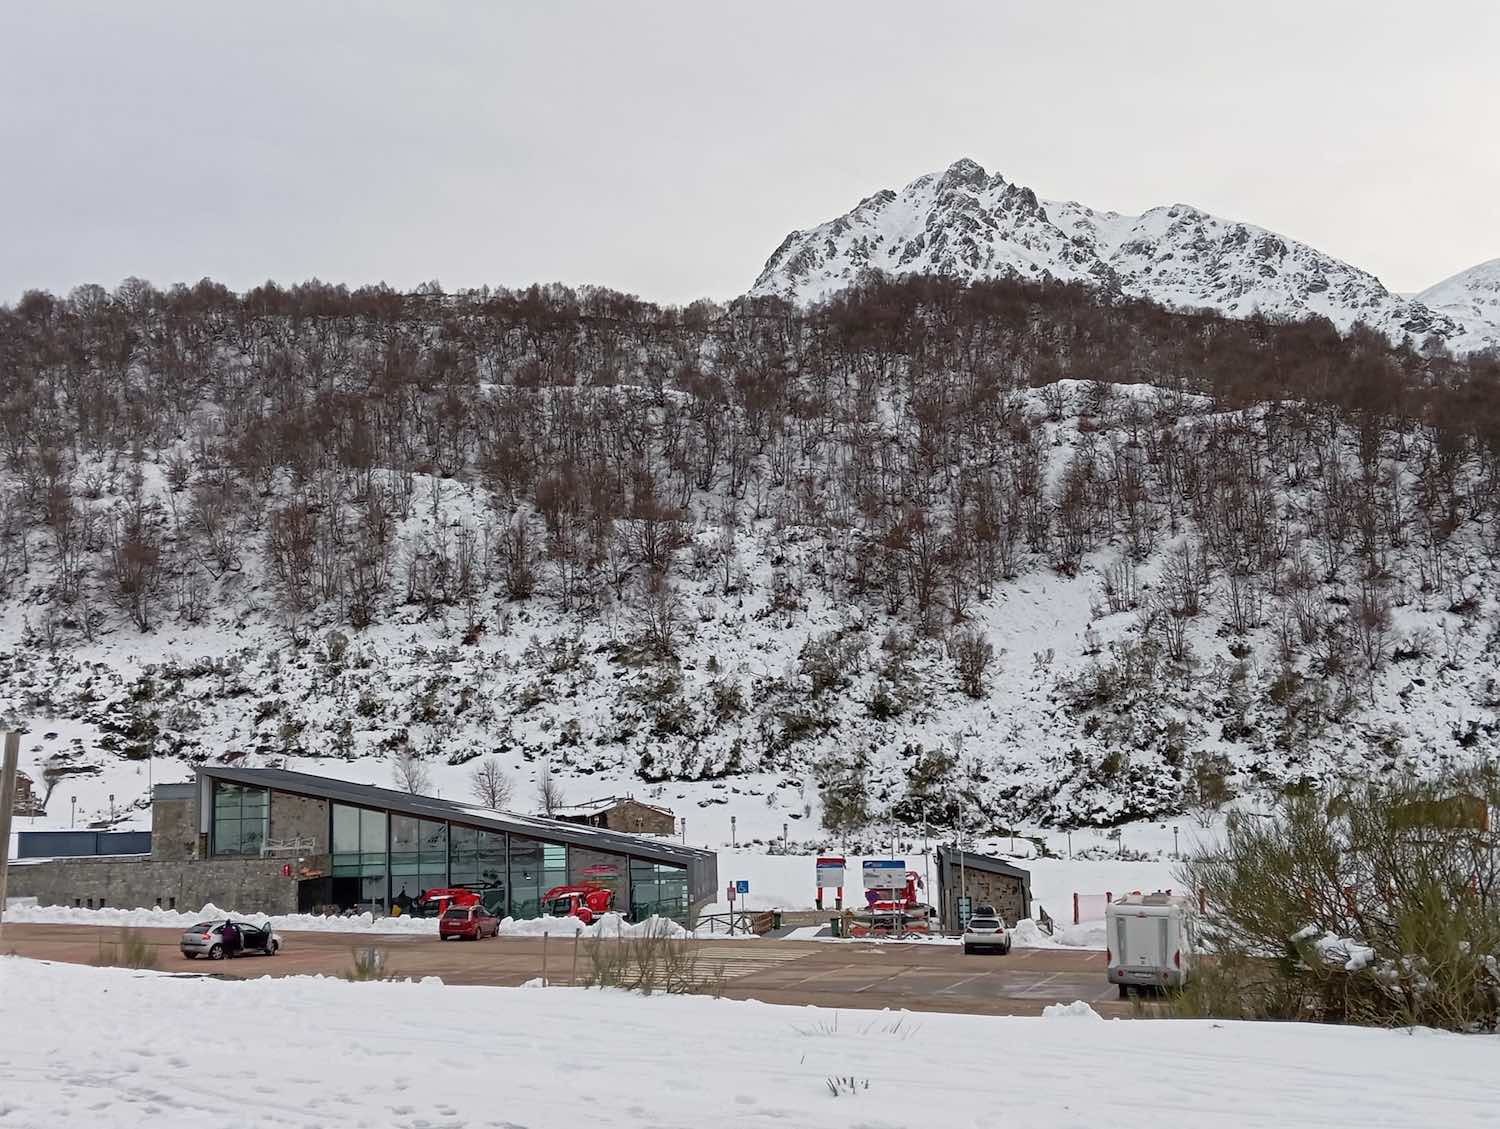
(921,977)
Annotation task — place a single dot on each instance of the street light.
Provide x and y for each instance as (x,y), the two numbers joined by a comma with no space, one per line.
(72,810)
(734,840)
(111,807)
(1175,852)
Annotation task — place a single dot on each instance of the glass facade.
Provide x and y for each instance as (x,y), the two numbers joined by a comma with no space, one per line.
(599,869)
(359,857)
(381,859)
(658,888)
(535,867)
(241,814)
(419,856)
(477,858)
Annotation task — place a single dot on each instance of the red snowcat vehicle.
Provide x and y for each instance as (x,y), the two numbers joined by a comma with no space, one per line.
(584,901)
(435,902)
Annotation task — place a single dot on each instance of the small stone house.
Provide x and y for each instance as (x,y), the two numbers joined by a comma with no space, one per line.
(622,813)
(27,801)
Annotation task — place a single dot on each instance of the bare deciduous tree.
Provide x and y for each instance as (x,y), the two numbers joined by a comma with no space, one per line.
(490,785)
(549,793)
(409,772)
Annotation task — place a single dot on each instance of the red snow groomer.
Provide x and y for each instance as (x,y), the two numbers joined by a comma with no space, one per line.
(893,911)
(584,901)
(434,902)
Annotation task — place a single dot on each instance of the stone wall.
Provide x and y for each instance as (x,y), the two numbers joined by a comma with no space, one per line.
(1006,894)
(299,817)
(639,819)
(174,829)
(242,885)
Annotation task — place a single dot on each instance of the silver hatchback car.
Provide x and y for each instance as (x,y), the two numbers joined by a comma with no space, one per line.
(207,939)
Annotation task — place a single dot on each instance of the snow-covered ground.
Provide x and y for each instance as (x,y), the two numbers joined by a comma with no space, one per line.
(313,1053)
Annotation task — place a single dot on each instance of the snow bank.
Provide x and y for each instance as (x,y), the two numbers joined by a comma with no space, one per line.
(1075,1010)
(129,1049)
(177,919)
(1027,934)
(608,925)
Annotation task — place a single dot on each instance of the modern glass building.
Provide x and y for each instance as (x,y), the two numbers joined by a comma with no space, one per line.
(360,846)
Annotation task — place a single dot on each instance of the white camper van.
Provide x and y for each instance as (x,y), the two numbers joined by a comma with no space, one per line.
(1151,940)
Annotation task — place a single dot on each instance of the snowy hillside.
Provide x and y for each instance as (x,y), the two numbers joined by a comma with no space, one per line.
(967,223)
(821,576)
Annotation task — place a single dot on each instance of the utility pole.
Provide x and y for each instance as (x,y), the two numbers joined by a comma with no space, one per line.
(926,856)
(7,805)
(963,878)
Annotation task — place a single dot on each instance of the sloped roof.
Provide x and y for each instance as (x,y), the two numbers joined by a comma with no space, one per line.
(651,848)
(605,803)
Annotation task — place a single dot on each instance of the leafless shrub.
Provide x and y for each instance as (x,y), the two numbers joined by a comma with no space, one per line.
(971,654)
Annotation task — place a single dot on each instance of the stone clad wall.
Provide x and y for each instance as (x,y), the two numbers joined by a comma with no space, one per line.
(299,817)
(638,819)
(242,885)
(174,829)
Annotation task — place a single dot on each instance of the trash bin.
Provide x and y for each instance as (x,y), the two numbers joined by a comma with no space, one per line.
(836,926)
(775,919)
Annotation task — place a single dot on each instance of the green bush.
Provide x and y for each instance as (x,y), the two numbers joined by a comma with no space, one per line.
(1379,905)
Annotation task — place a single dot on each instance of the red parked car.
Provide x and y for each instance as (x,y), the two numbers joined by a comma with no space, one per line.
(468,923)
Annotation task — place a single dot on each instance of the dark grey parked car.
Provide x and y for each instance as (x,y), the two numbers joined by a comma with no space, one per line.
(207,939)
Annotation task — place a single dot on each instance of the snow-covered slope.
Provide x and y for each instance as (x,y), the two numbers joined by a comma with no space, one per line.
(970,224)
(1472,297)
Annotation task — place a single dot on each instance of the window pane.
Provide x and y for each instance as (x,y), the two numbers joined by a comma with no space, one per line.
(525,877)
(252,836)
(345,829)
(463,842)
(464,872)
(372,832)
(405,887)
(226,836)
(373,893)
(434,840)
(403,833)
(226,799)
(595,868)
(554,865)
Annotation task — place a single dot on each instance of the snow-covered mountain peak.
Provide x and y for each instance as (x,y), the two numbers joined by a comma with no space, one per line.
(1473,297)
(968,223)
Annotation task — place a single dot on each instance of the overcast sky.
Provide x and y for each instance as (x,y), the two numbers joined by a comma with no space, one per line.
(666,149)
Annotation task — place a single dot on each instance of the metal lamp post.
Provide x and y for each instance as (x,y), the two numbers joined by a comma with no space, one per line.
(72,810)
(111,807)
(1175,852)
(734,835)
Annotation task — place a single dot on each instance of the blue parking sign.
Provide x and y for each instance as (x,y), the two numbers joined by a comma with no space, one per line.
(742,887)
